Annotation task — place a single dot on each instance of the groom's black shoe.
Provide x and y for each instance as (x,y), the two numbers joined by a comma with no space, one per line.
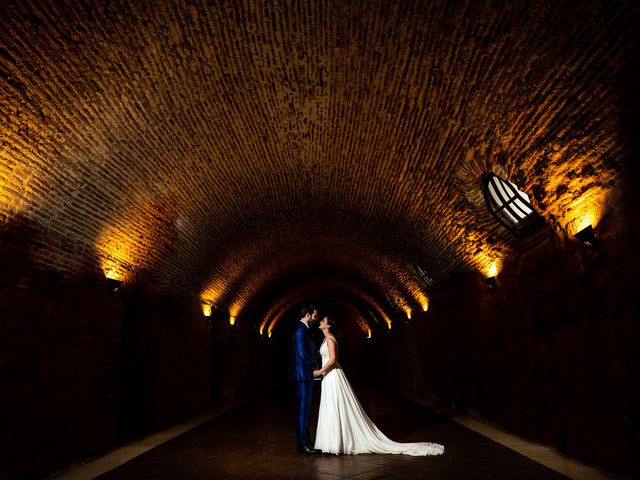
(308,449)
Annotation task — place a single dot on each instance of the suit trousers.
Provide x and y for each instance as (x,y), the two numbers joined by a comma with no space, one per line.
(304,391)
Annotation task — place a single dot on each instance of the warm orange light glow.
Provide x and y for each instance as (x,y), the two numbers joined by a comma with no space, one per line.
(423,300)
(364,326)
(234,312)
(113,274)
(269,334)
(403,305)
(492,271)
(280,307)
(215,292)
(581,216)
(117,255)
(588,209)
(273,315)
(369,333)
(206,309)
(385,317)
(274,321)
(490,265)
(418,296)
(133,239)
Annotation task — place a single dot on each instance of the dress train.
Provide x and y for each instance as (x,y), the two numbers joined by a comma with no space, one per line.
(345,428)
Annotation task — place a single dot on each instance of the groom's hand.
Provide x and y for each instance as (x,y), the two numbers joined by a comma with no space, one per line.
(316,373)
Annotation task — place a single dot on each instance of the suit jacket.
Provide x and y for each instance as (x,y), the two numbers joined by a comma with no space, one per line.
(303,355)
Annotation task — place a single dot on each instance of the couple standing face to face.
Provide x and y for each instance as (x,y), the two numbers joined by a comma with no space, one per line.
(312,318)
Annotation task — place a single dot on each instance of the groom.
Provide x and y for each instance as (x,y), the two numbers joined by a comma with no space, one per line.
(303,363)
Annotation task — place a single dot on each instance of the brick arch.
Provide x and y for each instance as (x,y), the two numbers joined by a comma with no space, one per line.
(375,317)
(279,267)
(109,115)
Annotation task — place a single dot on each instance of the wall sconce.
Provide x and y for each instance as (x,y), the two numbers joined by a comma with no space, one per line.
(206,310)
(113,285)
(492,282)
(587,236)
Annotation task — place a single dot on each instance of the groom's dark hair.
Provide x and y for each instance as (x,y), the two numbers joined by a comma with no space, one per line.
(307,309)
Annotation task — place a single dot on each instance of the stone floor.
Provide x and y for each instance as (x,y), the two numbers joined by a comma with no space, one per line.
(256,440)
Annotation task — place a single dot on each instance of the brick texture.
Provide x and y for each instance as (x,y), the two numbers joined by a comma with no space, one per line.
(243,153)
(201,140)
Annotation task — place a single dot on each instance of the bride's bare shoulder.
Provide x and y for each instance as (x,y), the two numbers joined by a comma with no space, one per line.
(333,338)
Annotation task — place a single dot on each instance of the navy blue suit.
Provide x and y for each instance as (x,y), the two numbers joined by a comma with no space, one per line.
(303,363)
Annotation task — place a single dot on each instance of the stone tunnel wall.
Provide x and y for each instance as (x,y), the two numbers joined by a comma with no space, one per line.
(60,345)
(551,355)
(82,370)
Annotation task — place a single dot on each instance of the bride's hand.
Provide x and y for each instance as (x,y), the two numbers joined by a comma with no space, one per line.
(317,373)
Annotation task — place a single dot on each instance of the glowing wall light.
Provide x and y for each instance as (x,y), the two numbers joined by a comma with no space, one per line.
(114,279)
(112,274)
(424,302)
(234,312)
(578,224)
(491,275)
(492,271)
(369,333)
(215,292)
(206,309)
(584,214)
(113,269)
(274,312)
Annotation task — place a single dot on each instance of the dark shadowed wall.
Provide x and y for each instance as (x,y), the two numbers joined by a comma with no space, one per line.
(83,370)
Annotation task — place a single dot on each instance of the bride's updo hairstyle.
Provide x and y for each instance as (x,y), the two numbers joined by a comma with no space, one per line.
(333,325)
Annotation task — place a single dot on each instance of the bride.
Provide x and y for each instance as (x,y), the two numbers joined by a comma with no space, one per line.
(343,426)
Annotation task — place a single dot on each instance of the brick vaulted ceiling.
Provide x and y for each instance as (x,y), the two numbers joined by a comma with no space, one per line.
(234,148)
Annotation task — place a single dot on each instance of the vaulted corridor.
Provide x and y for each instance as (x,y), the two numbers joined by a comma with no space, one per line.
(456,182)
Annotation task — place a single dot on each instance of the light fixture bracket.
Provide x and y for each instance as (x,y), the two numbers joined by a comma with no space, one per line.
(492,282)
(587,236)
(113,285)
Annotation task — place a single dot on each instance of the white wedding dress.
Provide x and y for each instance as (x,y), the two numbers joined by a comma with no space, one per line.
(344,427)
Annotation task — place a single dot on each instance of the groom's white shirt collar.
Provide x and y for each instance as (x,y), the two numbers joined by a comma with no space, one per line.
(305,323)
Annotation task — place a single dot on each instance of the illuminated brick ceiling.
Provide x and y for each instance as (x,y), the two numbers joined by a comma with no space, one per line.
(241,148)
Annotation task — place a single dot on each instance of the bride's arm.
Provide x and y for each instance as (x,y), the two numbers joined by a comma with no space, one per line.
(333,356)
